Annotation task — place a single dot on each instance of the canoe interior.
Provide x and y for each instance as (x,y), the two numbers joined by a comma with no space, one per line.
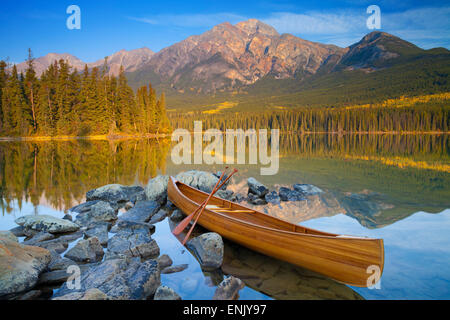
(239,212)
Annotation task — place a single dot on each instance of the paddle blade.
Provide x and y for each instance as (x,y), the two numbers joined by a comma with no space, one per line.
(183,224)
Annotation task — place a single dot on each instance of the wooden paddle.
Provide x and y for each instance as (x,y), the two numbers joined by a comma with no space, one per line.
(203,208)
(184,223)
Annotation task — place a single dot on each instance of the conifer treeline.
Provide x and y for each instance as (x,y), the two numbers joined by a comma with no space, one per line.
(65,102)
(432,116)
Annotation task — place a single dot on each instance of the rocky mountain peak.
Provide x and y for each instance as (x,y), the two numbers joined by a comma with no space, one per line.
(253,26)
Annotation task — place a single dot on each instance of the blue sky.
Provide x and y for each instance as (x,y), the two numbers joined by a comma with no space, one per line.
(109,26)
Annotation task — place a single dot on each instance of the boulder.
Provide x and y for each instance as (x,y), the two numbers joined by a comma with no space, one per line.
(8,235)
(99,211)
(46,223)
(133,242)
(256,187)
(156,189)
(166,293)
(284,193)
(159,216)
(164,261)
(113,193)
(208,248)
(99,230)
(125,279)
(272,197)
(201,180)
(39,237)
(59,263)
(89,250)
(142,211)
(20,266)
(254,199)
(176,215)
(228,289)
(18,231)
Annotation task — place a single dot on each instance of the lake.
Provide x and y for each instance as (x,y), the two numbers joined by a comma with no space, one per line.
(395,187)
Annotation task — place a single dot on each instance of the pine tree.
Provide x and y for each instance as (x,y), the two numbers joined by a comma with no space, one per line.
(31,87)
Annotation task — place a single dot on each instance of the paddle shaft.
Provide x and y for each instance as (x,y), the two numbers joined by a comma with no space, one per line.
(183,224)
(200,213)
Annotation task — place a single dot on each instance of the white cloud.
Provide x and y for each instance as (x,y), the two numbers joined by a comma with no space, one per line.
(426,27)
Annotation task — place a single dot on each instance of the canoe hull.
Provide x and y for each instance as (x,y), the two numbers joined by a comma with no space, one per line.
(349,260)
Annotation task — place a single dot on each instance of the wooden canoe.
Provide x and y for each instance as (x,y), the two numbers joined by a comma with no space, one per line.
(347,259)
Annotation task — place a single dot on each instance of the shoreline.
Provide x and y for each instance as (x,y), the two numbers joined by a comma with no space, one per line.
(157,136)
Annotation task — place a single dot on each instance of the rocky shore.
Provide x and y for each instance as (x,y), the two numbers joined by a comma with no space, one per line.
(107,241)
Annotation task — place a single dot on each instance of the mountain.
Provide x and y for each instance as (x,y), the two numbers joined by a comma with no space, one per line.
(131,60)
(229,56)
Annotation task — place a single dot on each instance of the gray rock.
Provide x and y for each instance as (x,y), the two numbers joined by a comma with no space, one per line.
(228,289)
(176,215)
(57,246)
(18,231)
(58,276)
(173,269)
(20,266)
(39,237)
(131,225)
(156,189)
(128,205)
(99,230)
(59,263)
(225,194)
(164,261)
(90,294)
(256,187)
(201,180)
(284,193)
(89,250)
(113,193)
(8,235)
(272,197)
(123,279)
(139,196)
(30,295)
(159,216)
(254,199)
(209,249)
(68,217)
(166,293)
(294,195)
(46,223)
(99,211)
(135,242)
(142,211)
(307,189)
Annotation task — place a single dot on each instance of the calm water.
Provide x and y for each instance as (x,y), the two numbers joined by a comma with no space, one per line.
(396,187)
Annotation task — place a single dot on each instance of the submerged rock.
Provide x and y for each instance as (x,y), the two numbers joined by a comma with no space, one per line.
(209,249)
(156,189)
(307,189)
(228,289)
(159,216)
(256,187)
(20,266)
(164,261)
(46,223)
(166,293)
(174,269)
(254,199)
